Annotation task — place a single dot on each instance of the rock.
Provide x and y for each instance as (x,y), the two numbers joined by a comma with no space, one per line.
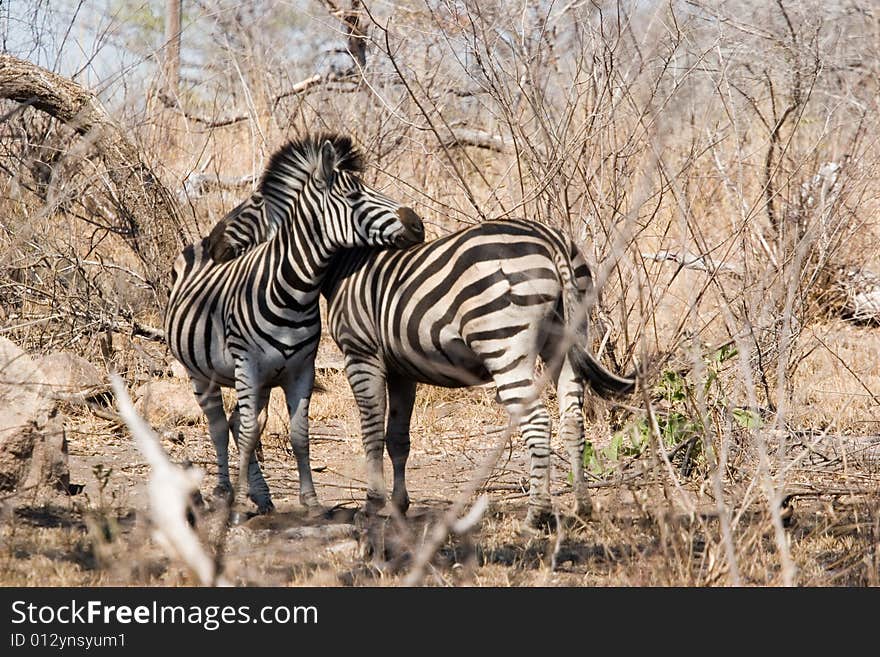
(33,449)
(863,295)
(164,403)
(49,459)
(850,292)
(323,532)
(347,549)
(22,384)
(179,370)
(18,434)
(70,376)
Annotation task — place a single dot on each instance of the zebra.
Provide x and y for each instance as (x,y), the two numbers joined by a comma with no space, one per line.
(476,306)
(250,320)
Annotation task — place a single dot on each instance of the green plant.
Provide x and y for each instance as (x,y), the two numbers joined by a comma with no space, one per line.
(683,417)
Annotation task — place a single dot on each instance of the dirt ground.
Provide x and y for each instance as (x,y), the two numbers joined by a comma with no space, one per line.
(714,162)
(648,529)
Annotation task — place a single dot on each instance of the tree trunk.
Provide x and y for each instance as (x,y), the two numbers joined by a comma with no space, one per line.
(172,47)
(357,33)
(147,215)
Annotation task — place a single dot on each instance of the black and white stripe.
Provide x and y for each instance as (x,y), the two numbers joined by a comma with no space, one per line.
(243,310)
(477,306)
(480,305)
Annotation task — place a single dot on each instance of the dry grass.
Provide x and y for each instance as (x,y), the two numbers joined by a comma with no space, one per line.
(640,536)
(680,127)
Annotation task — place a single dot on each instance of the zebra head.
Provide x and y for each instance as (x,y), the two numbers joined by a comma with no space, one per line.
(354,214)
(321,177)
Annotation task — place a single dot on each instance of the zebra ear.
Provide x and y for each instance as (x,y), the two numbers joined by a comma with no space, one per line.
(327,165)
(218,245)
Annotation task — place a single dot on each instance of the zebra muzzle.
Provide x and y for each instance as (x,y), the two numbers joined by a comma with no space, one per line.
(413,228)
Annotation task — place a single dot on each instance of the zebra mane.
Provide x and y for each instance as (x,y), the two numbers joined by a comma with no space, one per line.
(299,157)
(252,222)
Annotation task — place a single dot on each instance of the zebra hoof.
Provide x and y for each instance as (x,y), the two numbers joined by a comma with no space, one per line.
(223,493)
(311,503)
(401,503)
(264,507)
(539,521)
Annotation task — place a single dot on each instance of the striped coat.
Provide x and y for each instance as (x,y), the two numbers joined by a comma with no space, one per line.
(477,306)
(249,319)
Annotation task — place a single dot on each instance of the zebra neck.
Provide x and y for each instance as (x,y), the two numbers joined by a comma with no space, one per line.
(303,258)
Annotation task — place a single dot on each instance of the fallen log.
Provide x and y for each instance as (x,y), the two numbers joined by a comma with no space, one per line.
(147,214)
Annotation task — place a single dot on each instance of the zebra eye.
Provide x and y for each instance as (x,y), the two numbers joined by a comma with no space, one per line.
(355,195)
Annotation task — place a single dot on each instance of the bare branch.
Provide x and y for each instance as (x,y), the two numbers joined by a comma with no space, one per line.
(299,88)
(170,490)
(477,139)
(689,260)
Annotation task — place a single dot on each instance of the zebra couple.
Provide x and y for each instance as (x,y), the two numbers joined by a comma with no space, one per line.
(476,306)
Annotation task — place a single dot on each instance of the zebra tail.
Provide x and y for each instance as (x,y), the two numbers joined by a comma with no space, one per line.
(605,382)
(602,380)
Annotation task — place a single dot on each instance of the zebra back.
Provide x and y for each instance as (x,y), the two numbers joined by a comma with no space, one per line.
(243,228)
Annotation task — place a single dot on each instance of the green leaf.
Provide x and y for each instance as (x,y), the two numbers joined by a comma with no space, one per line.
(589,458)
(747,419)
(638,438)
(612,451)
(726,353)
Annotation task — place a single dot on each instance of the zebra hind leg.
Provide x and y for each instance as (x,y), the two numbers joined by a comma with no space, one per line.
(570,392)
(210,400)
(516,392)
(367,380)
(401,398)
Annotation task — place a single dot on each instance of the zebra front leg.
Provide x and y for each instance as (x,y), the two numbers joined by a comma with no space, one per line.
(401,398)
(298,392)
(367,380)
(570,392)
(210,400)
(258,489)
(251,399)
